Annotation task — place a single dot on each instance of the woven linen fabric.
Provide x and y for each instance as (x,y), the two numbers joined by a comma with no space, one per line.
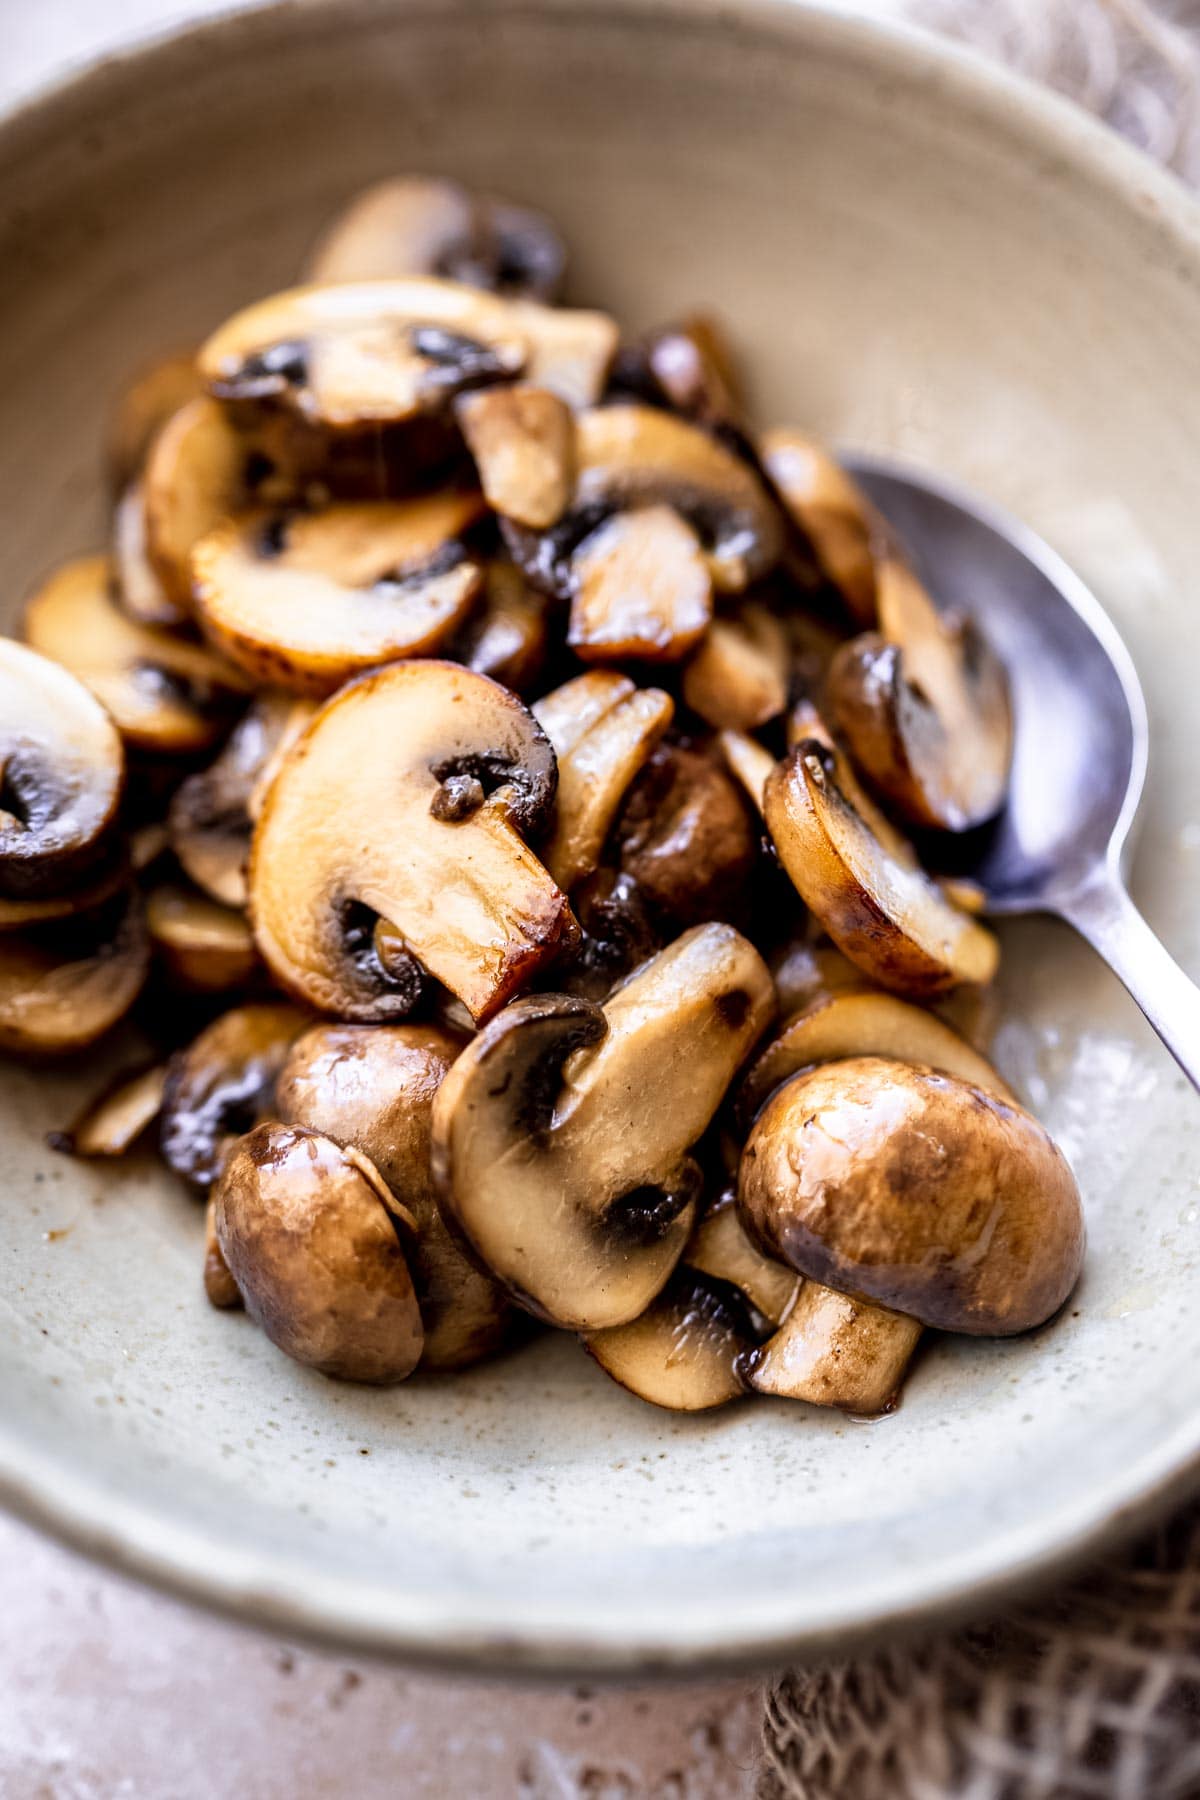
(1094,1694)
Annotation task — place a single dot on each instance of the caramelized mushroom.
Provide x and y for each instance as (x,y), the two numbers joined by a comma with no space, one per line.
(642,589)
(457,771)
(738,677)
(686,838)
(63,986)
(204,947)
(683,1352)
(111,1124)
(831,511)
(200,469)
(307,600)
(523,441)
(222,1084)
(561,1134)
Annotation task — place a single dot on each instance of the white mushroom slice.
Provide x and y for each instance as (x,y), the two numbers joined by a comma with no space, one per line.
(62,774)
(831,510)
(154,395)
(62,987)
(139,587)
(737,679)
(165,693)
(379,352)
(683,1352)
(111,1124)
(597,764)
(749,761)
(410,792)
(561,1134)
(523,441)
(308,600)
(641,588)
(835,1351)
(204,947)
(878,906)
(720,1246)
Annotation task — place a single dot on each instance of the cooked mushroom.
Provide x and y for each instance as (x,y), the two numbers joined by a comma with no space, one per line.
(166,693)
(308,1234)
(63,986)
(378,352)
(873,899)
(602,729)
(106,879)
(456,771)
(62,773)
(917,1192)
(561,1134)
(209,821)
(721,1247)
(865,1022)
(737,679)
(692,365)
(687,838)
(642,589)
(204,947)
(924,707)
(222,1084)
(412,225)
(154,396)
(683,1352)
(373,1087)
(139,589)
(506,637)
(200,469)
(749,761)
(523,441)
(220,1288)
(835,1350)
(111,1124)
(307,600)
(831,511)
(806,967)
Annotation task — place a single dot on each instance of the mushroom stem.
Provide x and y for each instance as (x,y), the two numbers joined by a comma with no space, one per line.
(834,1350)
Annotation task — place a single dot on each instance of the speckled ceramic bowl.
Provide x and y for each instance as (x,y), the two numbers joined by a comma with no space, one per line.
(917,254)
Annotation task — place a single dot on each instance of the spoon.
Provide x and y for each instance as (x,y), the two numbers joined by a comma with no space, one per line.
(1079,763)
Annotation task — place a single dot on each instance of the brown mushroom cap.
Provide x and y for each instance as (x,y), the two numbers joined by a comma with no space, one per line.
(832,512)
(165,693)
(412,225)
(307,1236)
(523,441)
(222,1084)
(686,837)
(204,947)
(62,772)
(373,1086)
(308,600)
(684,1352)
(917,1191)
(409,793)
(63,986)
(561,1134)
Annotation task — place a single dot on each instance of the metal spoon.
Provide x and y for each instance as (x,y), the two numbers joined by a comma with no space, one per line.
(1081,735)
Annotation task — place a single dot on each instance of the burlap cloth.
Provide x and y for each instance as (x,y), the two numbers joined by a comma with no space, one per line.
(1095,1693)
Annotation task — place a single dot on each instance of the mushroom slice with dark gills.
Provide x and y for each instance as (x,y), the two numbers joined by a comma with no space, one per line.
(373,1087)
(167,694)
(832,513)
(62,986)
(222,1084)
(561,1135)
(924,707)
(62,773)
(411,794)
(506,636)
(209,821)
(307,600)
(414,225)
(602,729)
(523,441)
(684,1352)
(721,1248)
(379,352)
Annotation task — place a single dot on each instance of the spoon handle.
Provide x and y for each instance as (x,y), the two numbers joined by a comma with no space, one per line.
(1104,914)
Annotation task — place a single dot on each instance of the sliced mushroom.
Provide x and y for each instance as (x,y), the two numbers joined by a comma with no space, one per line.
(687,838)
(107,879)
(721,1247)
(412,225)
(865,1023)
(139,587)
(373,1086)
(693,367)
(209,822)
(561,1134)
(738,677)
(642,589)
(877,905)
(833,513)
(306,1229)
(917,1192)
(749,761)
(379,352)
(410,792)
(308,600)
(806,968)
(523,441)
(64,986)
(617,933)
(111,1124)
(204,947)
(62,773)
(834,1350)
(507,637)
(221,1289)
(602,729)
(154,396)
(683,1352)
(165,693)
(222,1084)
(924,707)
(200,469)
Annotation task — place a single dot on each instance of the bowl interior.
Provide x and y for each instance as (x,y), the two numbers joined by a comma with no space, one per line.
(913,258)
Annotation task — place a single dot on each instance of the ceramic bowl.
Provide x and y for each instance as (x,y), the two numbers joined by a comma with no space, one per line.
(917,255)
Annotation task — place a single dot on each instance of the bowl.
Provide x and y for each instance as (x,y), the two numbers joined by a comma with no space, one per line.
(917,255)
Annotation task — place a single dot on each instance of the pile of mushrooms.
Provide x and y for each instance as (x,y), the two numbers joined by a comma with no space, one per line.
(481,768)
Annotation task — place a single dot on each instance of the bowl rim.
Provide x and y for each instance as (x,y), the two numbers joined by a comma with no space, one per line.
(374,1620)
